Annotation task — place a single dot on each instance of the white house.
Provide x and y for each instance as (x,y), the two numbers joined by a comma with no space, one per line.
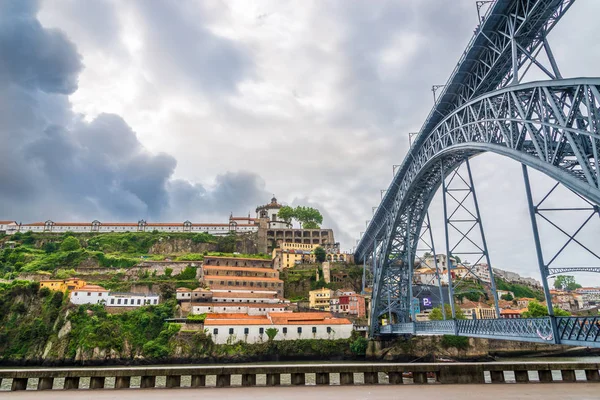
(131,299)
(89,294)
(229,308)
(231,328)
(9,227)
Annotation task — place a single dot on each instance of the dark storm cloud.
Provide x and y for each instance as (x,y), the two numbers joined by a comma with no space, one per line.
(54,164)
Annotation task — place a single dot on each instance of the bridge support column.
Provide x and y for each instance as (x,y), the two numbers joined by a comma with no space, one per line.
(322,378)
(97,382)
(248,379)
(462,374)
(420,377)
(371,378)
(395,378)
(568,375)
(592,375)
(298,378)
(149,382)
(71,382)
(45,383)
(122,382)
(173,381)
(273,379)
(346,378)
(223,380)
(200,381)
(521,376)
(545,376)
(19,384)
(497,376)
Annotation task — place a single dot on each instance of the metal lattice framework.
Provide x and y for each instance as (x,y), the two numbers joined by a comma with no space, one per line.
(551,126)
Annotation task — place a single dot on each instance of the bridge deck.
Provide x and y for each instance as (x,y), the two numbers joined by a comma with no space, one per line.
(574,331)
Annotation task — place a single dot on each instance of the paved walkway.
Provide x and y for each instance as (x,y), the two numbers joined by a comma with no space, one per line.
(552,391)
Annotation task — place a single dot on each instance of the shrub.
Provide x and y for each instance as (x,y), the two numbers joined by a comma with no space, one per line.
(359,346)
(70,244)
(458,342)
(196,318)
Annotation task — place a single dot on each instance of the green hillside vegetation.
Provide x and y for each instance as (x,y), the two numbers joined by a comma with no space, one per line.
(33,253)
(520,291)
(38,326)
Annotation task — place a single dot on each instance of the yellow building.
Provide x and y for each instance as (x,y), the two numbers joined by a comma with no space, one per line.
(319,299)
(477,310)
(290,254)
(62,285)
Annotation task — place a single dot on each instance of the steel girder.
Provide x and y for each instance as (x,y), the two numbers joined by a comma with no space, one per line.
(568,270)
(487,63)
(552,126)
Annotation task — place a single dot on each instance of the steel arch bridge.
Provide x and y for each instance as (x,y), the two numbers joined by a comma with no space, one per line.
(551,126)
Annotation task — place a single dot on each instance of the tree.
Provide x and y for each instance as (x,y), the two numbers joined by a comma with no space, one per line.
(286,213)
(320,254)
(50,247)
(271,333)
(566,282)
(537,310)
(308,217)
(70,244)
(507,297)
(436,313)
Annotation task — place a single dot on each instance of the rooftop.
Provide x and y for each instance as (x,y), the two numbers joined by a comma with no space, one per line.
(242,268)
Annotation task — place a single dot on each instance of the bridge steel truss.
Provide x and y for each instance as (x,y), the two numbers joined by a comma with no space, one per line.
(551,126)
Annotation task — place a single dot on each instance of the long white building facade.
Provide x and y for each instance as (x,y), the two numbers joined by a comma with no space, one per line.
(94,294)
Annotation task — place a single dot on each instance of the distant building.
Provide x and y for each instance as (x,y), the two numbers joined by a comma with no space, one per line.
(319,299)
(477,310)
(512,314)
(9,227)
(94,294)
(62,285)
(348,302)
(233,273)
(231,328)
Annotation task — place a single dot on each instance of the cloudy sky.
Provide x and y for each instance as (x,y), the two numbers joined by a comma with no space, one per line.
(174,110)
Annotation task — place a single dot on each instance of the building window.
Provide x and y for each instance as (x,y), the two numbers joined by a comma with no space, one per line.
(139,302)
(215,331)
(99,294)
(112,301)
(299,329)
(246,331)
(118,301)
(155,301)
(89,294)
(284,330)
(314,329)
(261,330)
(328,329)
(231,331)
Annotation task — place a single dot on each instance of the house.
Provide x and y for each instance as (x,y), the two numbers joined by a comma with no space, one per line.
(319,299)
(9,227)
(477,310)
(348,302)
(234,327)
(524,302)
(63,285)
(89,294)
(512,314)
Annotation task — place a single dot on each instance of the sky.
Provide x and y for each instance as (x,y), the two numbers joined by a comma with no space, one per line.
(173,110)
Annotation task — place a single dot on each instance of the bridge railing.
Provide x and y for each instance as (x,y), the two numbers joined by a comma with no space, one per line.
(579,331)
(436,327)
(525,329)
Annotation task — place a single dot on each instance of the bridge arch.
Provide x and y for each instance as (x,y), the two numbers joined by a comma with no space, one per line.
(551,126)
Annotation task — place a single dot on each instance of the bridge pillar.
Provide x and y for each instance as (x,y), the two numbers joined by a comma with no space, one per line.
(45,383)
(248,379)
(346,378)
(568,375)
(322,378)
(592,375)
(419,377)
(273,379)
(521,376)
(497,376)
(371,378)
(19,384)
(298,378)
(223,380)
(122,382)
(395,378)
(545,376)
(97,382)
(149,382)
(173,381)
(71,382)
(199,381)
